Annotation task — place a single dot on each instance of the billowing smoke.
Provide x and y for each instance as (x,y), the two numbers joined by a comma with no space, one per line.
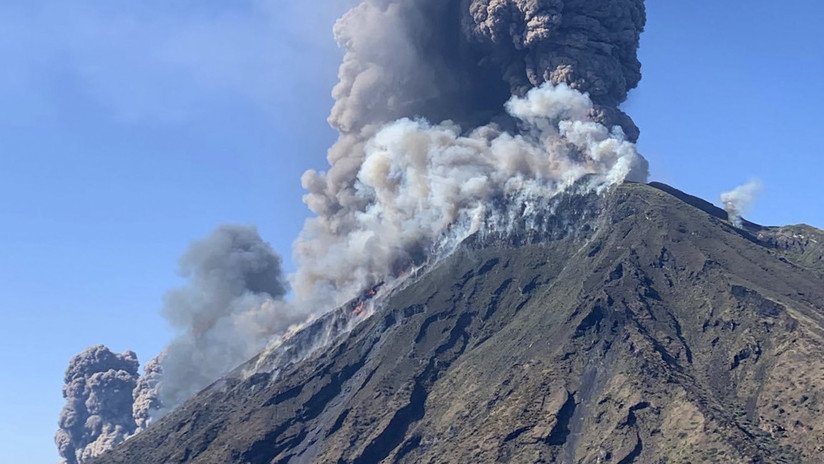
(589,45)
(444,108)
(146,394)
(395,185)
(231,306)
(739,200)
(98,410)
(419,183)
(462,59)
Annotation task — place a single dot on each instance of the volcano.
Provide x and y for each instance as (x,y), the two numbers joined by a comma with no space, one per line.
(639,326)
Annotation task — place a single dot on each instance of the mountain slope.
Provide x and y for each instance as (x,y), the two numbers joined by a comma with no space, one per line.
(641,327)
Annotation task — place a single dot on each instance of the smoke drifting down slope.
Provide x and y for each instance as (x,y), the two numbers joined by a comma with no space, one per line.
(452,115)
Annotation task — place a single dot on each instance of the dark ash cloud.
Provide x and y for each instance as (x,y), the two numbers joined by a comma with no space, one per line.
(98,411)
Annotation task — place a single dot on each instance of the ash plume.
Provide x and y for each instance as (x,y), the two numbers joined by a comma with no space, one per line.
(146,394)
(449,112)
(442,105)
(231,306)
(98,411)
(739,200)
(589,45)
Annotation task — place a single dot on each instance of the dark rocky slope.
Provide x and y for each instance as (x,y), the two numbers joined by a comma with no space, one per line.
(642,328)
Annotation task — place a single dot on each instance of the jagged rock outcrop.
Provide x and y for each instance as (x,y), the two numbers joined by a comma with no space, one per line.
(643,327)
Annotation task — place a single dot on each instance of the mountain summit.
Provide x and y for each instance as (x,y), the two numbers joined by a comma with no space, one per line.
(639,326)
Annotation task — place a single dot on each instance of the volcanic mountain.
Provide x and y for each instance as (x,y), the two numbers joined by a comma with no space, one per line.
(639,326)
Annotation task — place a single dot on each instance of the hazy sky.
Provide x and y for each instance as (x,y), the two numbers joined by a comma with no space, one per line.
(127,131)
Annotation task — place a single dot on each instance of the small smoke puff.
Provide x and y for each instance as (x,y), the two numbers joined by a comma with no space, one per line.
(233,261)
(738,201)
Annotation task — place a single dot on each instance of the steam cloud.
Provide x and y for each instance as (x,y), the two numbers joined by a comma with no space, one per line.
(98,410)
(443,107)
(739,200)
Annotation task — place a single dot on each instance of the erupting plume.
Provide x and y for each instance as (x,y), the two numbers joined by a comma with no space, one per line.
(739,200)
(455,116)
(444,105)
(98,410)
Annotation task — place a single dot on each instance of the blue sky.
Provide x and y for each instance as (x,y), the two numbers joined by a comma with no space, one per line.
(127,129)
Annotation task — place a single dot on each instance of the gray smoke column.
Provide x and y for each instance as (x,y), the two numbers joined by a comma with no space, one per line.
(98,411)
(443,105)
(229,309)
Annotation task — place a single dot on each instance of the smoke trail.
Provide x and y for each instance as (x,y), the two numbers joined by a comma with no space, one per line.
(98,411)
(739,200)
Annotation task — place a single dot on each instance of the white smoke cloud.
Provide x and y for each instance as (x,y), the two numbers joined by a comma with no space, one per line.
(420,180)
(739,200)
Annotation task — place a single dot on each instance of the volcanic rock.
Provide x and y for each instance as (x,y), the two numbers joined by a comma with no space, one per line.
(640,326)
